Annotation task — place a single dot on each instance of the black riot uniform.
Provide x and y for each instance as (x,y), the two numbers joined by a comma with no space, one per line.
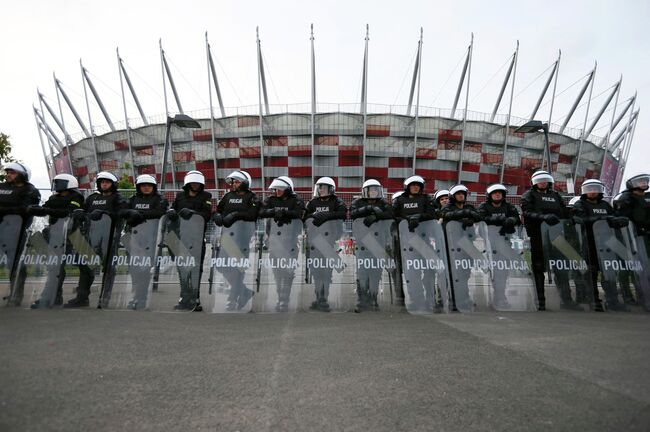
(186,205)
(15,198)
(636,208)
(240,205)
(467,214)
(59,205)
(505,215)
(368,279)
(109,202)
(634,203)
(143,207)
(416,208)
(587,212)
(540,206)
(321,210)
(283,209)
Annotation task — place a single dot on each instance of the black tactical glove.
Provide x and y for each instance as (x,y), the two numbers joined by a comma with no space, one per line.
(134,218)
(617,222)
(510,221)
(551,219)
(186,213)
(369,220)
(97,214)
(320,218)
(578,220)
(230,219)
(171,215)
(217,219)
(467,222)
(414,222)
(78,215)
(35,210)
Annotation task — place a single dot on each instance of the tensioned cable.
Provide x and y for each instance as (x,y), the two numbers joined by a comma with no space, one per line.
(406,73)
(508,60)
(91,100)
(145,82)
(534,80)
(585,103)
(566,89)
(608,110)
(177,69)
(449,77)
(228,80)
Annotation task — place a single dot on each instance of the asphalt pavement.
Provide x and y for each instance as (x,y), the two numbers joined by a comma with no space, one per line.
(81,370)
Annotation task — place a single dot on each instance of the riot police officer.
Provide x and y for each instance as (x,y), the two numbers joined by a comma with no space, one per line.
(65,201)
(541,204)
(372,207)
(440,200)
(495,210)
(459,210)
(634,203)
(323,207)
(147,203)
(283,207)
(239,204)
(16,195)
(414,206)
(105,201)
(590,208)
(16,192)
(193,199)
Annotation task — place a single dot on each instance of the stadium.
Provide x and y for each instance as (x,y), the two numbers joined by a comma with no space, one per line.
(349,142)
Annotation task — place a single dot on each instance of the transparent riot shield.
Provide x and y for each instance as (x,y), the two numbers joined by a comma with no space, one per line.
(620,264)
(375,265)
(41,267)
(641,279)
(92,245)
(10,230)
(329,281)
(424,268)
(178,265)
(512,280)
(134,266)
(278,267)
(468,265)
(233,267)
(568,281)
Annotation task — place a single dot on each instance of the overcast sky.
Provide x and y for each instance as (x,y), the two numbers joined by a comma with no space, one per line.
(42,37)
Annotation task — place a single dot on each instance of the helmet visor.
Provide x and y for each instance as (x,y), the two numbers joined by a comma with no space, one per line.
(640,182)
(372,192)
(593,188)
(323,190)
(59,185)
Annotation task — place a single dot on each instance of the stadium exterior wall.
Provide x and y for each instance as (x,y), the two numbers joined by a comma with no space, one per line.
(338,151)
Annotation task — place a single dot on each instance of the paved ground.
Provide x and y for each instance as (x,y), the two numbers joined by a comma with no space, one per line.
(102,370)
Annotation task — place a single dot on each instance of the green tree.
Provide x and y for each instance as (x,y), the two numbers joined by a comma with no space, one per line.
(124,182)
(5,152)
